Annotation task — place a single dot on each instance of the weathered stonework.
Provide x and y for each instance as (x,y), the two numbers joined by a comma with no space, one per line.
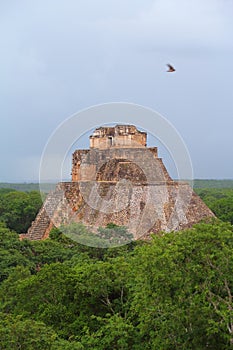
(120,180)
(118,136)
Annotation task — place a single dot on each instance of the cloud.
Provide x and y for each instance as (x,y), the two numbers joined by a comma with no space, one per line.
(57,43)
(58,57)
(174,24)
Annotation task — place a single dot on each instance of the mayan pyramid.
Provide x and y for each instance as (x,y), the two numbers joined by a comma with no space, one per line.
(122,181)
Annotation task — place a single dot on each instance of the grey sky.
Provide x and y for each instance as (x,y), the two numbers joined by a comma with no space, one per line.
(58,57)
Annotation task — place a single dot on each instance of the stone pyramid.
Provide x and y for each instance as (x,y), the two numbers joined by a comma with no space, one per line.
(122,181)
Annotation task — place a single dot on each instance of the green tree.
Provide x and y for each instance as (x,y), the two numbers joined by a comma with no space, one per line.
(183,289)
(220,201)
(46,296)
(18,209)
(13,252)
(17,333)
(113,332)
(223,209)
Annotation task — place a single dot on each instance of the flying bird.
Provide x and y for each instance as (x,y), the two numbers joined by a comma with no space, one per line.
(170,68)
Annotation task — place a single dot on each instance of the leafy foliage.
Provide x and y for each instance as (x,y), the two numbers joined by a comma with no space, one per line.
(220,201)
(110,236)
(183,289)
(18,209)
(173,292)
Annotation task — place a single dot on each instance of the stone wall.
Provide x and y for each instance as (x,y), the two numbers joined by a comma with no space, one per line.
(87,163)
(142,208)
(118,136)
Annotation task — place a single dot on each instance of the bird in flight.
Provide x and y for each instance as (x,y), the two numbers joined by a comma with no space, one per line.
(170,68)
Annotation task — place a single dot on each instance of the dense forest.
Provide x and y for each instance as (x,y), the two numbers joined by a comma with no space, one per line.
(174,292)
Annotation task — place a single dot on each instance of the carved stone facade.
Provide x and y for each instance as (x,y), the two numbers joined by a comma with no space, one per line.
(122,181)
(118,136)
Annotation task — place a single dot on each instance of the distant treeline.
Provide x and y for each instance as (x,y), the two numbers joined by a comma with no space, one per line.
(27,187)
(198,183)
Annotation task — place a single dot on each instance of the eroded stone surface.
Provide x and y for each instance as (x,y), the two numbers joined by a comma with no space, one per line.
(120,180)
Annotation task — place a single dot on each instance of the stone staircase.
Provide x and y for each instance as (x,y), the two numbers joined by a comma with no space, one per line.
(43,223)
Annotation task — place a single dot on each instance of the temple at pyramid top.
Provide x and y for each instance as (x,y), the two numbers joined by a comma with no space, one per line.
(118,136)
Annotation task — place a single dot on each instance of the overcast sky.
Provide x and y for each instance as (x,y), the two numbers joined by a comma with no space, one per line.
(58,57)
